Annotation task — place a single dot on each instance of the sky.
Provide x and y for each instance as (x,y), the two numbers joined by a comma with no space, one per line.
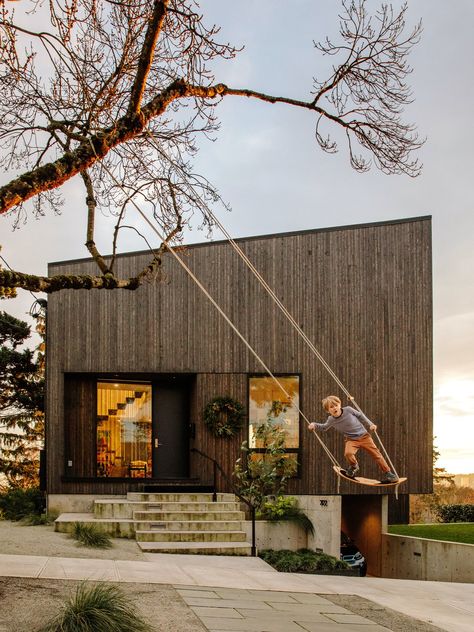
(268,167)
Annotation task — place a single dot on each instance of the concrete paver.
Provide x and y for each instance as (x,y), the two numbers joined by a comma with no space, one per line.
(346,618)
(333,627)
(238,602)
(246,582)
(250,625)
(221,613)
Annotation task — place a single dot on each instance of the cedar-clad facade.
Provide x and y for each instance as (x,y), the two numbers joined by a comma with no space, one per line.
(129,373)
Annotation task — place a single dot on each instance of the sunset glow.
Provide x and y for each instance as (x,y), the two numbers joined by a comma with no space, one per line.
(454,425)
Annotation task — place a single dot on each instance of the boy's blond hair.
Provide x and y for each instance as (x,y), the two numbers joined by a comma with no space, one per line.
(330,399)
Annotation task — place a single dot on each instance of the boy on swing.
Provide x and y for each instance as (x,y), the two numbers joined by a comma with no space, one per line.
(354,425)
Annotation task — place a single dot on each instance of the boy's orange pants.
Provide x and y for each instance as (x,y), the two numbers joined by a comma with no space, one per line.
(352,446)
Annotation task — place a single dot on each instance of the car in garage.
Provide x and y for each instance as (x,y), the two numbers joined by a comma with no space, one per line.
(351,554)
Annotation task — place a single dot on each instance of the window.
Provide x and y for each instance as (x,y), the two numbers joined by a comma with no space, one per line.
(268,403)
(124,430)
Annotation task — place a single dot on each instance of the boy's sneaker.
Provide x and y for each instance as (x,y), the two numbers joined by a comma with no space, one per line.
(352,471)
(389,477)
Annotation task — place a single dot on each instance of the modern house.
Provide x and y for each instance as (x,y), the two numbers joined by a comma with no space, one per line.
(129,373)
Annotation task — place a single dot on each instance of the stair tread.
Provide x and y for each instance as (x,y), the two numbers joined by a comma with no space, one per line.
(194,545)
(121,501)
(171,510)
(237,522)
(182,531)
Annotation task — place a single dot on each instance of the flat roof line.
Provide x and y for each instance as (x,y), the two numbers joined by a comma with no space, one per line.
(309,231)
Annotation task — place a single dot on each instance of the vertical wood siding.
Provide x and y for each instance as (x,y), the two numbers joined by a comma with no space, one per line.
(362,294)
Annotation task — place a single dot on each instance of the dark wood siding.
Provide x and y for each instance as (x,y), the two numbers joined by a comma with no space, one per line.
(80,406)
(362,294)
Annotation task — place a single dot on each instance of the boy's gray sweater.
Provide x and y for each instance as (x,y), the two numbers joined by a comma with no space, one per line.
(350,423)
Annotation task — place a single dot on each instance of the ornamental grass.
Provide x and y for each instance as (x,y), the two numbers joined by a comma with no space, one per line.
(97,608)
(91,536)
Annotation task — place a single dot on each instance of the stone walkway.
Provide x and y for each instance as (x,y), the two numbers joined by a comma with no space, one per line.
(226,609)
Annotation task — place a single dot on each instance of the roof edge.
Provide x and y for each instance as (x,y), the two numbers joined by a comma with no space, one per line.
(309,231)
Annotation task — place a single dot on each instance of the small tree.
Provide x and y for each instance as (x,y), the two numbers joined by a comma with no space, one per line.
(21,402)
(262,474)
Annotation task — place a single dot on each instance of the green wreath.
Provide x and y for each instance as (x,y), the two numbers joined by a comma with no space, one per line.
(223,416)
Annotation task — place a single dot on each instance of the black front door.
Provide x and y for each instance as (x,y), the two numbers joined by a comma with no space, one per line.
(171,428)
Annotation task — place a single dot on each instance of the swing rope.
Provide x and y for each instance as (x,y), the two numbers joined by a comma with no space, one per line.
(235,329)
(295,325)
(224,315)
(289,317)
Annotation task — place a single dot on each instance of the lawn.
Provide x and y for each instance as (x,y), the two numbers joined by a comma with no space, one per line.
(452,532)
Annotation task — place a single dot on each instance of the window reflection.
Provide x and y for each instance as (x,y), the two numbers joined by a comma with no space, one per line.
(269,403)
(123,430)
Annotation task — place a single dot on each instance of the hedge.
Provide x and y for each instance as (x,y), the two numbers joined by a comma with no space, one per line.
(456,513)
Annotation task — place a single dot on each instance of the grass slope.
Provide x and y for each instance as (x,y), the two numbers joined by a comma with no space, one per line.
(452,532)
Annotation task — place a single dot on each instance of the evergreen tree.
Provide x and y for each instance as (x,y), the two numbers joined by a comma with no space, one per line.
(21,401)
(440,475)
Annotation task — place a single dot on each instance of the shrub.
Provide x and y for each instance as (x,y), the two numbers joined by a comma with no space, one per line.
(97,608)
(266,473)
(285,508)
(303,560)
(16,503)
(287,562)
(34,520)
(90,535)
(455,513)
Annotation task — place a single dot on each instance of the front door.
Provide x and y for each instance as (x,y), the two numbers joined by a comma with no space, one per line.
(170,438)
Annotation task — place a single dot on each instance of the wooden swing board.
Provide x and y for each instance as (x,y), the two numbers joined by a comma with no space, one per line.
(365,481)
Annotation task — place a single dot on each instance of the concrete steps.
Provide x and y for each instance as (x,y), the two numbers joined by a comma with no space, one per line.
(182,525)
(126,508)
(155,535)
(197,548)
(189,516)
(179,498)
(170,522)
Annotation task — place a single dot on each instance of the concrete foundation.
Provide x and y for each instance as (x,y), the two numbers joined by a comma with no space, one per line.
(325,514)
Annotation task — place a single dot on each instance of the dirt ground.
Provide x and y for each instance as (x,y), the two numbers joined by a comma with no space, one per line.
(17,539)
(27,604)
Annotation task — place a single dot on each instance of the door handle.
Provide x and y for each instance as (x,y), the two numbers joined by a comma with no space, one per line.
(157,443)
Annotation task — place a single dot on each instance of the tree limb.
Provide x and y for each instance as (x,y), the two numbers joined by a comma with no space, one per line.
(91,206)
(34,283)
(146,56)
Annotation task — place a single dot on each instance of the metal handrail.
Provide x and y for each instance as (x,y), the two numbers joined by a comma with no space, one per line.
(217,467)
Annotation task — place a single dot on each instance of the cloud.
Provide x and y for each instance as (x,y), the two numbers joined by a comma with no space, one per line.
(454,348)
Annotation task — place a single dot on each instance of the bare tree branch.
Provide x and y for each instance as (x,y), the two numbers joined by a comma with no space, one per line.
(129,89)
(91,206)
(148,50)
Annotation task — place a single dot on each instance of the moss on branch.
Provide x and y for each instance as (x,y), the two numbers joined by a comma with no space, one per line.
(11,279)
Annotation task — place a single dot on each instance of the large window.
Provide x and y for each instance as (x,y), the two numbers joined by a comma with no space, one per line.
(124,430)
(268,403)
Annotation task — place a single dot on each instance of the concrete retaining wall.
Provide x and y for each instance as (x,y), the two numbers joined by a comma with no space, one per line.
(325,514)
(276,535)
(405,557)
